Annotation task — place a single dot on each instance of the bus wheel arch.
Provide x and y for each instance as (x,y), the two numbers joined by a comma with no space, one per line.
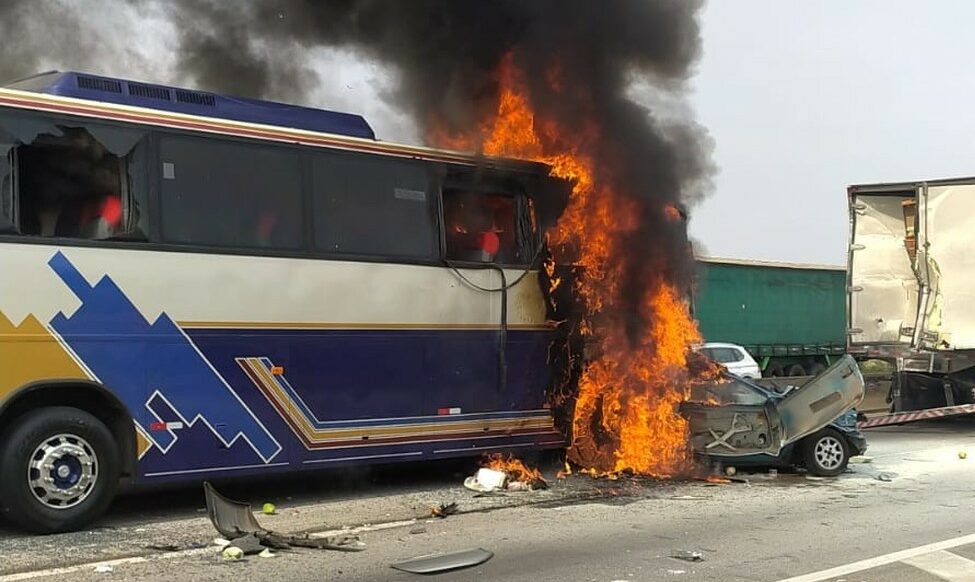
(84,395)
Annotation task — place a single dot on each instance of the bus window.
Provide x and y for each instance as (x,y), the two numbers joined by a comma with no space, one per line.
(72,184)
(480,227)
(373,206)
(8,218)
(230,194)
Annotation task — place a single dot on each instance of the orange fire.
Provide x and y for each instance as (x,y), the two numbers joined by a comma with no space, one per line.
(625,417)
(513,468)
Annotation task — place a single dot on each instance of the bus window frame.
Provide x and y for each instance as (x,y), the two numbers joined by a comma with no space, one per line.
(442,175)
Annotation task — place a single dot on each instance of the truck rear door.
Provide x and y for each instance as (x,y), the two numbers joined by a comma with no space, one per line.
(883,288)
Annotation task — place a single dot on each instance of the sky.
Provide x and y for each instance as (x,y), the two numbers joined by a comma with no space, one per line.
(805,98)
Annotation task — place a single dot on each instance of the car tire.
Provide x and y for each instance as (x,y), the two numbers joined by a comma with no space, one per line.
(774,371)
(59,468)
(795,370)
(826,453)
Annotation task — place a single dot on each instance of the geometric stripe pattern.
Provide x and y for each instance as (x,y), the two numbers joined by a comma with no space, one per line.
(912,415)
(318,434)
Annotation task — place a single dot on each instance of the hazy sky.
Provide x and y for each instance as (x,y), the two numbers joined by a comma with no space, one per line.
(805,98)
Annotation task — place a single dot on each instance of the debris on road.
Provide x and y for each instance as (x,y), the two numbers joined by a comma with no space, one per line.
(220,542)
(860,460)
(418,529)
(486,480)
(884,477)
(269,509)
(730,471)
(104,569)
(234,520)
(962,454)
(164,547)
(266,553)
(444,562)
(515,471)
(688,555)
(232,554)
(249,544)
(443,510)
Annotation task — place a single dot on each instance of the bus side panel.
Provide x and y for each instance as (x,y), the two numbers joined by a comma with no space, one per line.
(231,365)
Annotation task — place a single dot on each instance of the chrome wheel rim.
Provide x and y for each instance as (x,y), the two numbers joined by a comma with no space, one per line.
(62,471)
(829,452)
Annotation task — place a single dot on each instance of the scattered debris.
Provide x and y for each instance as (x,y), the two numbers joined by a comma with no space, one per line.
(962,454)
(266,553)
(443,510)
(677,571)
(688,555)
(773,473)
(233,519)
(418,529)
(104,569)
(689,497)
(163,547)
(860,460)
(220,542)
(884,477)
(486,480)
(506,472)
(730,471)
(232,554)
(269,509)
(249,544)
(444,562)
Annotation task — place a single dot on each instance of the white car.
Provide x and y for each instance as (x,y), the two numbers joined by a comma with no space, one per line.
(733,357)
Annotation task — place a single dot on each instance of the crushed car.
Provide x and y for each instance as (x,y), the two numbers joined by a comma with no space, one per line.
(737,422)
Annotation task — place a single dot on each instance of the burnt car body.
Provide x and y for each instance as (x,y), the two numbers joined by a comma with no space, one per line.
(738,422)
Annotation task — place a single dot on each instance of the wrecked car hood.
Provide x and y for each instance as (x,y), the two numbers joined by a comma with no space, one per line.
(753,420)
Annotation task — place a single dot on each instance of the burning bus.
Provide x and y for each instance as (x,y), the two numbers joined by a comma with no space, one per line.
(198,286)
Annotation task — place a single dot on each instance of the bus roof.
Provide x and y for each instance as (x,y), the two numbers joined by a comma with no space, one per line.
(142,103)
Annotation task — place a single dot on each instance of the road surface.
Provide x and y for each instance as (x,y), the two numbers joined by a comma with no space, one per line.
(906,516)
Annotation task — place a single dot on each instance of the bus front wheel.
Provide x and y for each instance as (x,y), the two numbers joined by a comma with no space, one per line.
(59,469)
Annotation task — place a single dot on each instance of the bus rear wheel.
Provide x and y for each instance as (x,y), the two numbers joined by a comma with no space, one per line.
(59,470)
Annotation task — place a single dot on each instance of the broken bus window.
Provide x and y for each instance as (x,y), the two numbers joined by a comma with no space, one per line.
(70,180)
(482,227)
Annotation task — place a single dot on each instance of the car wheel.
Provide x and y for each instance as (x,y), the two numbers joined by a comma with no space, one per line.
(60,469)
(826,453)
(774,371)
(795,370)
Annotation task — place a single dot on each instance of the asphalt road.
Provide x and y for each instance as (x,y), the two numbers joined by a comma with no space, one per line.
(906,516)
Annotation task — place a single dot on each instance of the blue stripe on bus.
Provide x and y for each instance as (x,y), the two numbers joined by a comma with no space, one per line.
(163,359)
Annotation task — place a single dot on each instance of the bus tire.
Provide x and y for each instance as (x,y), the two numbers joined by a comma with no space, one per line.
(59,468)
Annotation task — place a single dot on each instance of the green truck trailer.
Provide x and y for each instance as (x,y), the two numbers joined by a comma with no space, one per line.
(790,317)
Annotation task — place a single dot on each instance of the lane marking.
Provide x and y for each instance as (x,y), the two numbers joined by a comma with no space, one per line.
(945,565)
(92,565)
(879,560)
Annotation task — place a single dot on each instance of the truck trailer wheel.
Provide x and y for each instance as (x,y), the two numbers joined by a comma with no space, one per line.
(816,368)
(60,469)
(826,453)
(795,370)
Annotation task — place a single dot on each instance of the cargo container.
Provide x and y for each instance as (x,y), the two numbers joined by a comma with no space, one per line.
(911,302)
(789,316)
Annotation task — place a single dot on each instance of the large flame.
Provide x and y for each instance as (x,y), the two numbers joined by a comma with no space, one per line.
(625,417)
